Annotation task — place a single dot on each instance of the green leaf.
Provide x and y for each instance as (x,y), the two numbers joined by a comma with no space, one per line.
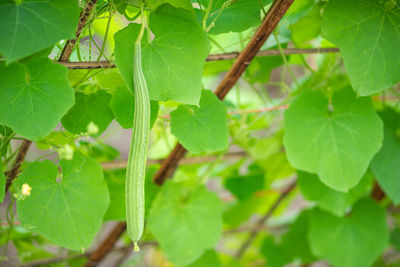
(173,62)
(236,17)
(386,162)
(352,241)
(34,96)
(331,200)
(70,211)
(335,141)
(92,108)
(3,181)
(31,26)
(122,105)
(368,36)
(204,128)
(154,4)
(181,219)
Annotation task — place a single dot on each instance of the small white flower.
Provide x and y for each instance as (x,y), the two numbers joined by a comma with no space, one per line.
(26,190)
(92,128)
(68,152)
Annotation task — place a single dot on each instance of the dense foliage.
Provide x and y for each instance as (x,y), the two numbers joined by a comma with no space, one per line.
(298,164)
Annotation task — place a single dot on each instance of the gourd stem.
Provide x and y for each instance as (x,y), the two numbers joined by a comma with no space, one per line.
(142,28)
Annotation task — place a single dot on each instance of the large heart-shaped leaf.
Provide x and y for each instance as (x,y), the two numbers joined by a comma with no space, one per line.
(204,128)
(177,55)
(31,26)
(185,224)
(34,96)
(352,241)
(68,212)
(335,141)
(386,162)
(368,35)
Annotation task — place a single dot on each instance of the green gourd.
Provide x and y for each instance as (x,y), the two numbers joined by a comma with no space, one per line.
(136,168)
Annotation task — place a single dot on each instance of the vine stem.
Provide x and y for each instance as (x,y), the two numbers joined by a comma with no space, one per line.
(262,7)
(105,35)
(224,5)
(285,59)
(208,10)
(13,173)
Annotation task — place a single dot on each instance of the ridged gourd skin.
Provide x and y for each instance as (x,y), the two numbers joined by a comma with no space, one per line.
(136,168)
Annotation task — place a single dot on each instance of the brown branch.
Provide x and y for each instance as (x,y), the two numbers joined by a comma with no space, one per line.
(107,245)
(271,20)
(377,192)
(185,161)
(262,220)
(274,52)
(87,65)
(170,164)
(13,173)
(215,57)
(66,53)
(278,229)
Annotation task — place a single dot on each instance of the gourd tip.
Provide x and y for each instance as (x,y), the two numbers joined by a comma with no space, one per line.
(136,248)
